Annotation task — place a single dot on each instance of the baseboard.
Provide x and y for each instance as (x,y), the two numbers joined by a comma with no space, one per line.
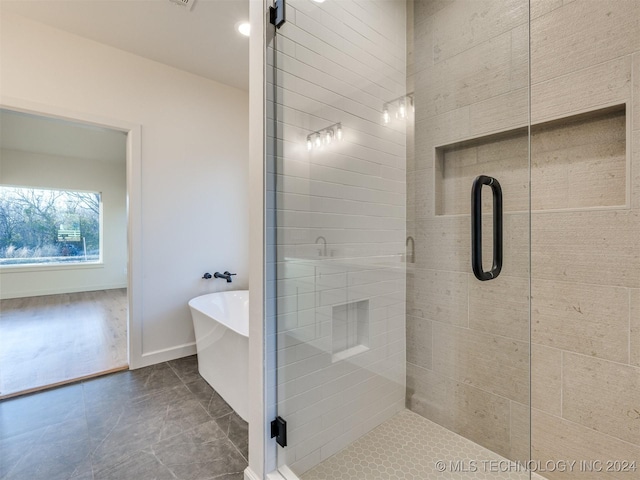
(250,474)
(60,291)
(164,355)
(283,473)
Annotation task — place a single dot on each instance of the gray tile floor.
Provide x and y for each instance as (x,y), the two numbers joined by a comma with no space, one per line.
(155,423)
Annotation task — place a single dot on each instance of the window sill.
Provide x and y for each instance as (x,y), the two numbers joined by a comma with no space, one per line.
(45,268)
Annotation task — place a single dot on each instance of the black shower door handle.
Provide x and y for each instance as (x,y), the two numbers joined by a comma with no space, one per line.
(476,227)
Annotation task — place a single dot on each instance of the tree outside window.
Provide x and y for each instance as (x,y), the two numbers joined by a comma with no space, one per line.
(43,226)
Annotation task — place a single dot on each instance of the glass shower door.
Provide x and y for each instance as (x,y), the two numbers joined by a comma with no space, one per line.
(468,211)
(381,117)
(339,180)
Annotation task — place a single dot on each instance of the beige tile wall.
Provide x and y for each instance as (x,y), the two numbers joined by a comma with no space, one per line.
(559,440)
(586,264)
(634,326)
(585,229)
(580,164)
(588,319)
(635,149)
(500,307)
(456,167)
(546,379)
(469,411)
(601,395)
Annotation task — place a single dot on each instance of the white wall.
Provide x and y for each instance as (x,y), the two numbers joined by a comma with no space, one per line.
(194,163)
(259,417)
(46,171)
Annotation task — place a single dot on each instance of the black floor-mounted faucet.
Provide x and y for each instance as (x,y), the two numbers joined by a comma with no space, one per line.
(225,275)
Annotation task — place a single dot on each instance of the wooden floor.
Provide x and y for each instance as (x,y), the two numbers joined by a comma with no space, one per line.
(55,339)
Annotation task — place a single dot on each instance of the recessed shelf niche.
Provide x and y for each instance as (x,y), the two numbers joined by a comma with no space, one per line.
(350,329)
(577,162)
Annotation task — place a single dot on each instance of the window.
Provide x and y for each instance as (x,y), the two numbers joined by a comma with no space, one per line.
(43,226)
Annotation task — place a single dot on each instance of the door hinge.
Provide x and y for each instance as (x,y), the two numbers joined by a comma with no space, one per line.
(276,13)
(279,430)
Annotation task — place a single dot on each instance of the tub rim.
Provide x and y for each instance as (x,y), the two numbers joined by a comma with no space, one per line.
(222,294)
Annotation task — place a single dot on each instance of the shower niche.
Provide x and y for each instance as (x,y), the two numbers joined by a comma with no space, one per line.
(580,162)
(350,329)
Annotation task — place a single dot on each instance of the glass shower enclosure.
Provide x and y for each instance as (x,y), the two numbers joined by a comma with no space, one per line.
(453,268)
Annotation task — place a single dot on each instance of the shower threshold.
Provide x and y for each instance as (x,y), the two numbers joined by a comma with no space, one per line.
(409,446)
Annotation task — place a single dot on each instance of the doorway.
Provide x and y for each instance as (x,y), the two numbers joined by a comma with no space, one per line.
(64,298)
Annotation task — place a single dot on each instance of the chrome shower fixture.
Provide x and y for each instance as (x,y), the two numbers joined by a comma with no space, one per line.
(323,137)
(400,108)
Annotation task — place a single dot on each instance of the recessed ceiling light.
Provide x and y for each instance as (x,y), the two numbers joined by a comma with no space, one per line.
(244,28)
(319,1)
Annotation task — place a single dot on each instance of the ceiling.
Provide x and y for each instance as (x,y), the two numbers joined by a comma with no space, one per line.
(44,135)
(203,40)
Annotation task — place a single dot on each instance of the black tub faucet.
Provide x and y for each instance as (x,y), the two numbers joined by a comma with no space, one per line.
(226,275)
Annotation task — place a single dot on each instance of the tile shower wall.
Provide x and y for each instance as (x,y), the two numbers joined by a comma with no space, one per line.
(586,256)
(336,224)
(468,341)
(585,248)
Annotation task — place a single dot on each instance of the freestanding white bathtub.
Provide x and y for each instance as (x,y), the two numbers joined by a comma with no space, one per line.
(221,324)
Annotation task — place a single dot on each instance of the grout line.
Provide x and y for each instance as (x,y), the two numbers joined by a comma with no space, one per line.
(432,361)
(20,460)
(469,287)
(511,425)
(462,382)
(599,432)
(478,332)
(86,421)
(162,463)
(165,417)
(300,38)
(115,424)
(583,69)
(594,358)
(175,372)
(304,78)
(562,352)
(227,432)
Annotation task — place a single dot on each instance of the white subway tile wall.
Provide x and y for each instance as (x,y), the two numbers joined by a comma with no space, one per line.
(337,223)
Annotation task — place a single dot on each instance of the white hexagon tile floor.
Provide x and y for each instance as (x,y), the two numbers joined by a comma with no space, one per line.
(408,447)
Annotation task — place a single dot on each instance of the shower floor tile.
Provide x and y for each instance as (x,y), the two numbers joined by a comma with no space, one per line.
(408,446)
